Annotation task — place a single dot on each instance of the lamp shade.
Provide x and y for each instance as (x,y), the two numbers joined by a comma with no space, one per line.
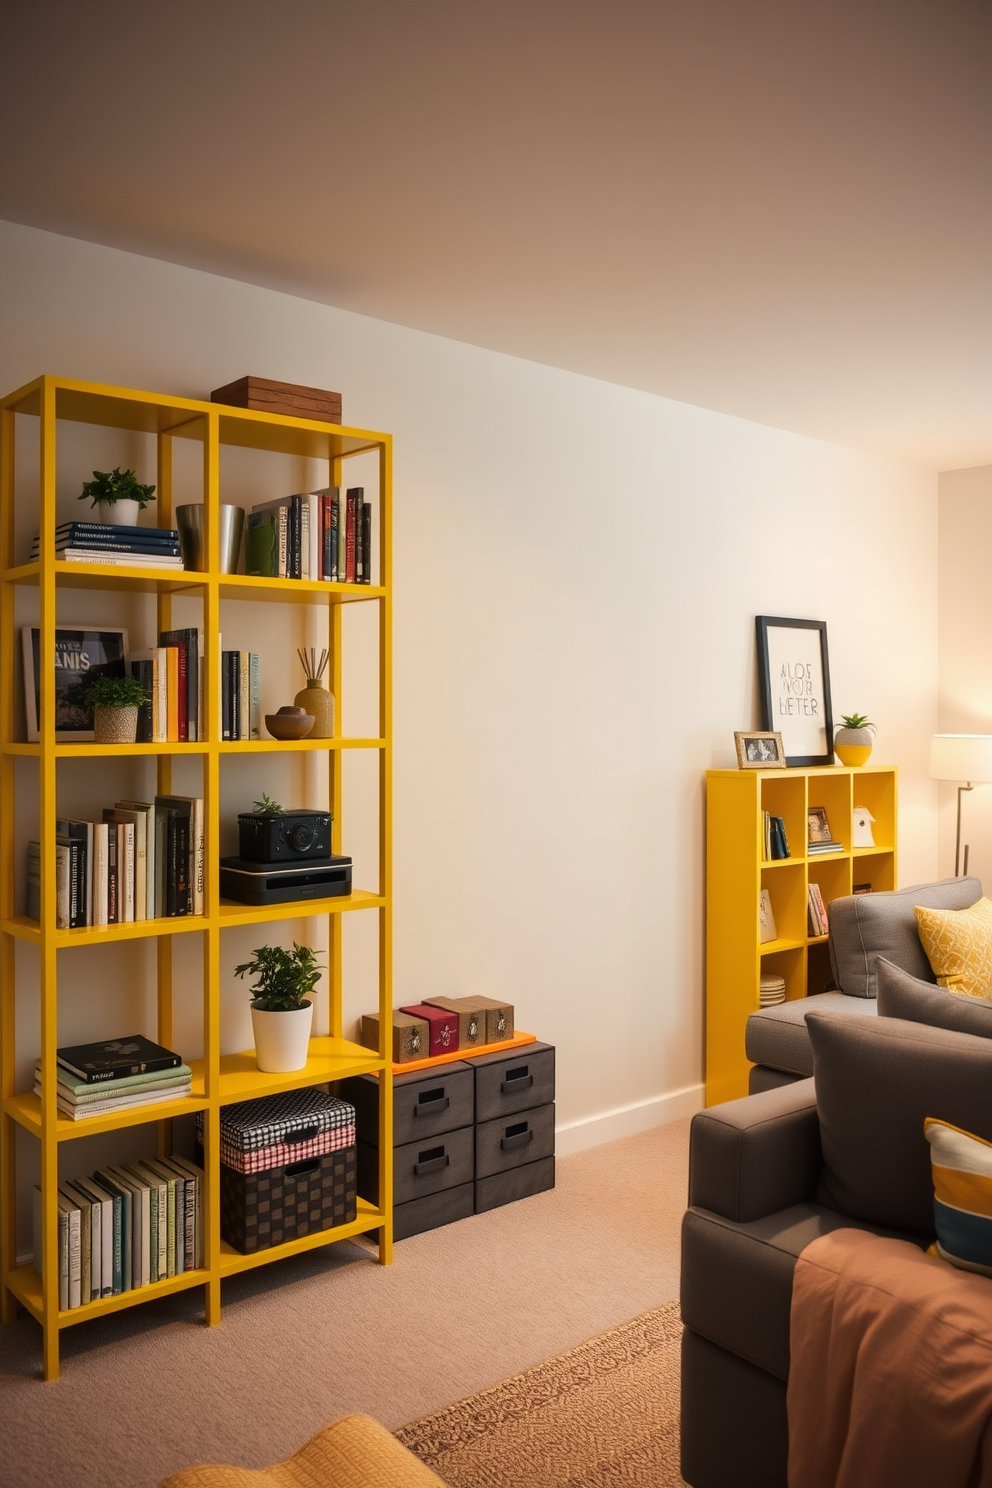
(961,757)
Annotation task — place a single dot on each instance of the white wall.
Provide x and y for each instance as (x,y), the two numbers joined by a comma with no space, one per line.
(965,665)
(577,570)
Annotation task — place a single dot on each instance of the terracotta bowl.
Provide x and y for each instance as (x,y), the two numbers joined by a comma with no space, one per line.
(289,723)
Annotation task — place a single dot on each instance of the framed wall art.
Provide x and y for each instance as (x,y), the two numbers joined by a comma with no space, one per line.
(794,675)
(82,652)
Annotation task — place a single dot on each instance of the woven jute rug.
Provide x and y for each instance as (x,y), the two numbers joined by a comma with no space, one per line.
(602,1415)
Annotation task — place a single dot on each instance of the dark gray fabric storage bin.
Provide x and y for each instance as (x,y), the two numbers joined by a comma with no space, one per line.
(425,1102)
(516,1183)
(515,1081)
(514,1140)
(433,1210)
(419,1168)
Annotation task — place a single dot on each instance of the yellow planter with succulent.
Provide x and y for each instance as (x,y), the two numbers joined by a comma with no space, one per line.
(854,739)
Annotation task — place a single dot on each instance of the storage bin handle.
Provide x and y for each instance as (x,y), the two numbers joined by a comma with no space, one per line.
(517,1136)
(516,1079)
(307,1165)
(432,1161)
(305,1134)
(430,1102)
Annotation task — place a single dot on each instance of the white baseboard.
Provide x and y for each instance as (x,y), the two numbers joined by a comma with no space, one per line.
(609,1126)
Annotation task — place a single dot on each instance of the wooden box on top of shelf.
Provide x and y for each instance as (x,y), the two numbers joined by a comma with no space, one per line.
(219,1078)
(737,871)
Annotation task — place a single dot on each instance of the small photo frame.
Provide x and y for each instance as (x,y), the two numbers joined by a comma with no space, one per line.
(761,750)
(819,827)
(82,652)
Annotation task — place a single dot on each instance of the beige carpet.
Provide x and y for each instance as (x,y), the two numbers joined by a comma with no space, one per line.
(602,1415)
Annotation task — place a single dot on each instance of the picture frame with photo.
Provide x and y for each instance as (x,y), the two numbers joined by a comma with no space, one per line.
(817,825)
(794,678)
(82,652)
(759,749)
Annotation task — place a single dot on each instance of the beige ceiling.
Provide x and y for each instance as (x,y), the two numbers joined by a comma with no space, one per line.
(780,209)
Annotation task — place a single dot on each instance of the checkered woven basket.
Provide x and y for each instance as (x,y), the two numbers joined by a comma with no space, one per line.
(279,1129)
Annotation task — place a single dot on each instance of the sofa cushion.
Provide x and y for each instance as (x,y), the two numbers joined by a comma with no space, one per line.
(863,926)
(777,1035)
(877,1080)
(900,995)
(736,1284)
(958,943)
(962,1196)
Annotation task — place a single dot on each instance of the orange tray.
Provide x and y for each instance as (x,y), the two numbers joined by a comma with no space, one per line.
(516,1042)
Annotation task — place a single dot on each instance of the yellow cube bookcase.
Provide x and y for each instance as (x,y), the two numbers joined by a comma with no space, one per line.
(737,871)
(37,415)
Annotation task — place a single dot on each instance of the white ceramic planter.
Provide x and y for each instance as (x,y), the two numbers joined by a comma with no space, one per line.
(118,513)
(281,1039)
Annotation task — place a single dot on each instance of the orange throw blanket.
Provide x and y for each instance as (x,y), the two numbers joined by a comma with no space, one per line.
(890,1380)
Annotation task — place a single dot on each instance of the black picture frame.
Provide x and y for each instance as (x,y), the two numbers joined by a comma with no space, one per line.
(82,652)
(794,677)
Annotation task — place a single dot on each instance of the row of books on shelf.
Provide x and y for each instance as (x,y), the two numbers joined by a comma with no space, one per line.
(240,684)
(125,1227)
(316,535)
(172,676)
(144,860)
(776,843)
(98,542)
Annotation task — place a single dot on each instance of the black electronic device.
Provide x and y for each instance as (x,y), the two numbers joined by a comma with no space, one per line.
(289,837)
(281,883)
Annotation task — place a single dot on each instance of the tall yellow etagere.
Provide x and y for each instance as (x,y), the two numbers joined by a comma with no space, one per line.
(218,1078)
(737,871)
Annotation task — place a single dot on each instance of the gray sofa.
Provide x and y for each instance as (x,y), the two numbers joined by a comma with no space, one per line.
(771,1172)
(862,928)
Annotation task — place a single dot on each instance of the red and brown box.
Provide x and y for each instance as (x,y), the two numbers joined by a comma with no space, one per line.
(471,1019)
(498,1016)
(281,397)
(411,1036)
(443,1026)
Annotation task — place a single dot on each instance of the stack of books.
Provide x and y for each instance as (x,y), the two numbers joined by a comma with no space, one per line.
(172,675)
(143,861)
(316,535)
(821,839)
(98,542)
(818,922)
(240,705)
(96,1079)
(125,1227)
(776,843)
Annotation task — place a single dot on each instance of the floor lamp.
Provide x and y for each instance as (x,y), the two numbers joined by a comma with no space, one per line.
(961,757)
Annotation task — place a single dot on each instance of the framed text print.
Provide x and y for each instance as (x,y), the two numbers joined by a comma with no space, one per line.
(82,652)
(795,687)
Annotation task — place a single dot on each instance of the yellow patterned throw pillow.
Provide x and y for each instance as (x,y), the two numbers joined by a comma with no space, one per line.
(958,943)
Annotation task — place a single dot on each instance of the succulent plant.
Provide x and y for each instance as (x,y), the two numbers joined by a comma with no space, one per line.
(267,807)
(856,720)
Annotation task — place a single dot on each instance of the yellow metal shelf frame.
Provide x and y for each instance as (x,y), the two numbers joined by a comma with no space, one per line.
(218,1078)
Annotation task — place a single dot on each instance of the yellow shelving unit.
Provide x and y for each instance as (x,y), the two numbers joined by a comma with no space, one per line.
(218,1078)
(737,871)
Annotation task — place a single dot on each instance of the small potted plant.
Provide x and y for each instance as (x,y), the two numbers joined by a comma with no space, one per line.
(281,1010)
(115,702)
(853,740)
(118,496)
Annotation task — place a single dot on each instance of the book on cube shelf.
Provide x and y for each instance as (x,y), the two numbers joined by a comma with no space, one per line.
(99,542)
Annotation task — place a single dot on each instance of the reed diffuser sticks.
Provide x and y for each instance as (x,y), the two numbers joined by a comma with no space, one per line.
(313,669)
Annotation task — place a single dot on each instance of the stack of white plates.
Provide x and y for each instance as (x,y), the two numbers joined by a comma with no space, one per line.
(772,990)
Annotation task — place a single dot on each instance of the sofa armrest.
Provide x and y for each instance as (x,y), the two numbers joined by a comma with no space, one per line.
(749,1158)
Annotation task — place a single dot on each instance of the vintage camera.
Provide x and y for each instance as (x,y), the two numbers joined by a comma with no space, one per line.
(291,837)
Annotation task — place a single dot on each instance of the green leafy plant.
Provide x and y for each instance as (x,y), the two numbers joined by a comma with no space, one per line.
(115,485)
(285,978)
(114,692)
(265,807)
(856,720)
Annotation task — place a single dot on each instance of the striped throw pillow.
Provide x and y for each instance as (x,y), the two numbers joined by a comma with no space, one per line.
(962,1202)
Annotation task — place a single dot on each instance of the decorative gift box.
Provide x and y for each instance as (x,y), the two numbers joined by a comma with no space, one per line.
(443,1027)
(258,1210)
(471,1019)
(258,1135)
(411,1036)
(281,397)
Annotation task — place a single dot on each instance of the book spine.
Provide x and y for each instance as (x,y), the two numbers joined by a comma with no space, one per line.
(62,872)
(198,866)
(182,692)
(244,695)
(366,542)
(296,525)
(100,885)
(354,497)
(192,685)
(113,866)
(184,884)
(335,541)
(126,834)
(63,1260)
(325,537)
(74,1222)
(235,694)
(282,540)
(161,849)
(304,510)
(255,694)
(75,920)
(172,691)
(225,695)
